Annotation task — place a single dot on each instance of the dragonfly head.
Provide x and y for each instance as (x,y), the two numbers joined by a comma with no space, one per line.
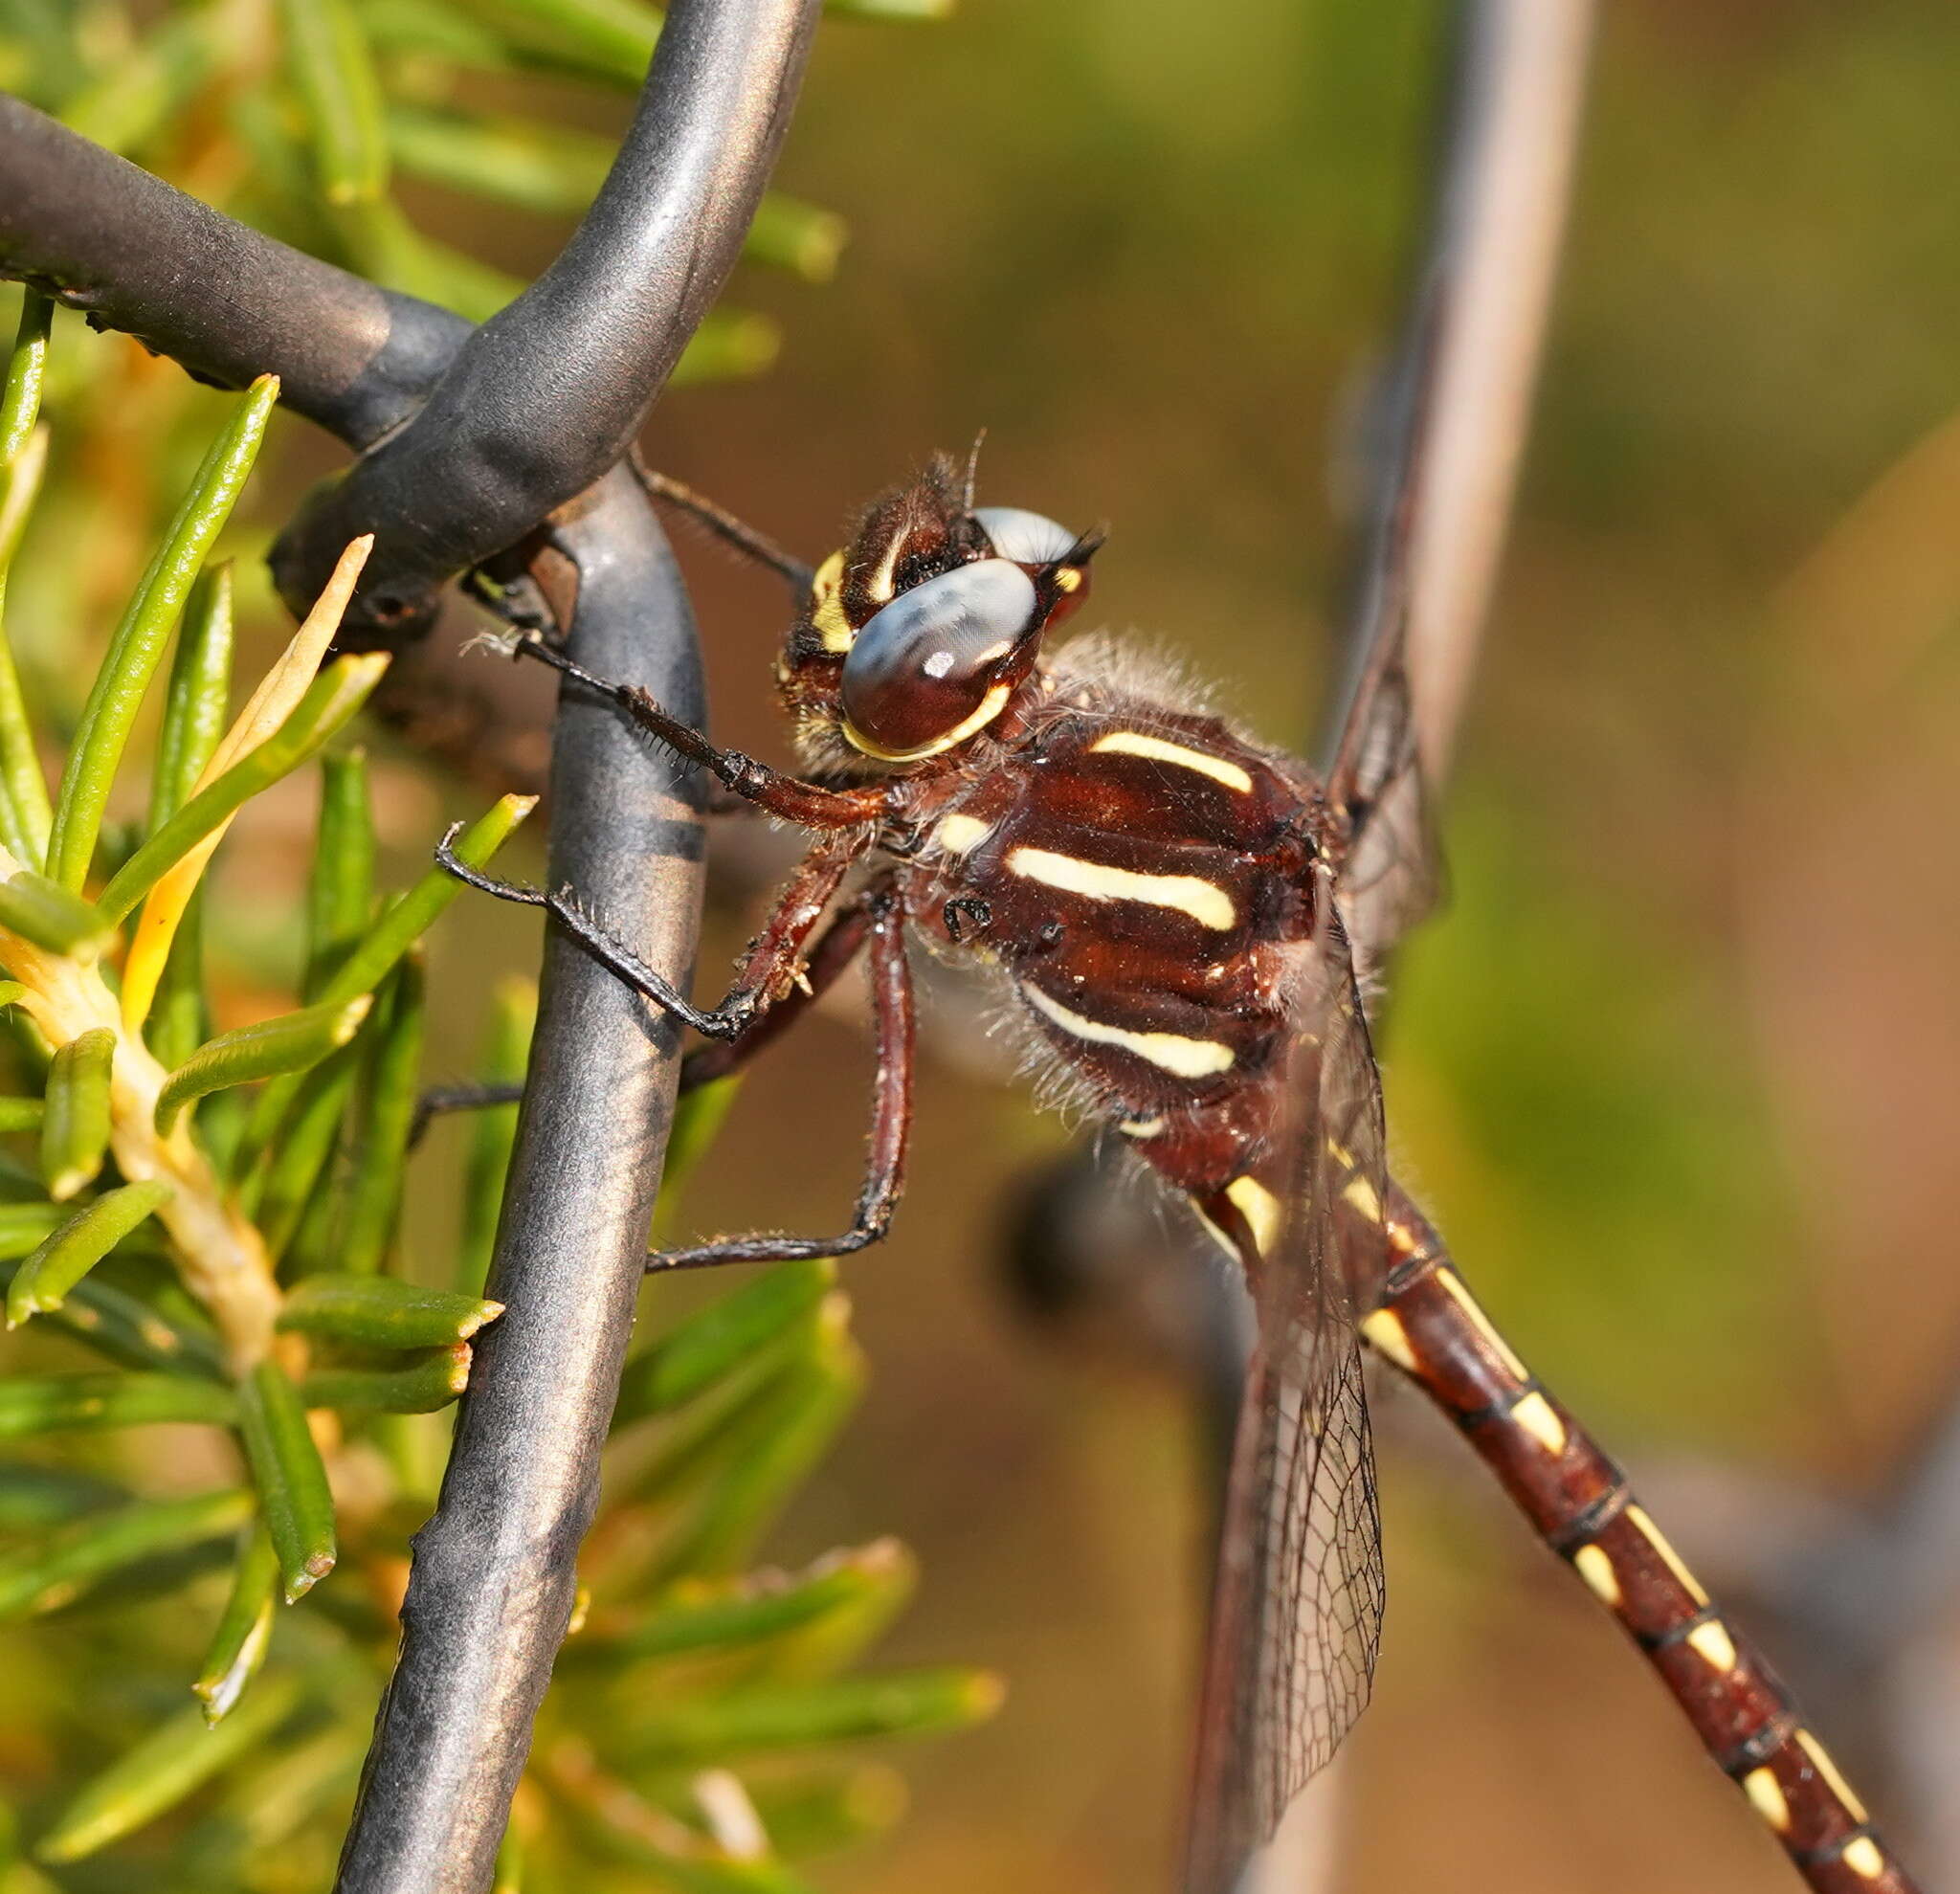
(919,631)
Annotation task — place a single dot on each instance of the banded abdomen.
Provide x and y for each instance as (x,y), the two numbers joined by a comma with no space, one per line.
(1141,878)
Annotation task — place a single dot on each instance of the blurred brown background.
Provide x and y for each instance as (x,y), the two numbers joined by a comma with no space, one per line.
(1675,1070)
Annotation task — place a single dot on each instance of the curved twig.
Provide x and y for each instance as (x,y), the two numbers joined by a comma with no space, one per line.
(134,254)
(495,1569)
(547,396)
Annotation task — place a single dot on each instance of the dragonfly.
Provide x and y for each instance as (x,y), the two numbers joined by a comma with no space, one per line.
(1181,923)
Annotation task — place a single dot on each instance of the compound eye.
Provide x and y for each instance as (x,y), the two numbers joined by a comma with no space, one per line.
(921,675)
(1028,539)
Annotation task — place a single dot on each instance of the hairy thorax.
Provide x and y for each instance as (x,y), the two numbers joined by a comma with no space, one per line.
(1140,875)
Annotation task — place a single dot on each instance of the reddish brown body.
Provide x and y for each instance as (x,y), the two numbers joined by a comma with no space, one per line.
(1126,892)
(1168,904)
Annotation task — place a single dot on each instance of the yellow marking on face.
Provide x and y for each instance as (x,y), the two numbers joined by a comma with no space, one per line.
(991,706)
(1188,1058)
(1134,743)
(1206,903)
(959,834)
(1140,1127)
(1821,1762)
(1539,1419)
(1863,1858)
(1383,1332)
(1767,1798)
(1361,1194)
(827,604)
(1713,1645)
(1259,1207)
(1067,578)
(1460,1290)
(1637,1518)
(1594,1565)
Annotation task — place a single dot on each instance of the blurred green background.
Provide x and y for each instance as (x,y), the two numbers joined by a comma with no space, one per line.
(1677,1068)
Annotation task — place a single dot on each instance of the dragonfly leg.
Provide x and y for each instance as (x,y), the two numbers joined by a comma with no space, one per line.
(809,805)
(836,948)
(1581,1503)
(727,527)
(891,1118)
(769,969)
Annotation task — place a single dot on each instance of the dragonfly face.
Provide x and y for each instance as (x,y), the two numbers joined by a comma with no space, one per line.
(920,633)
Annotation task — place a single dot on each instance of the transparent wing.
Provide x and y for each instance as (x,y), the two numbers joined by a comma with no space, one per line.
(1297,1608)
(1392,877)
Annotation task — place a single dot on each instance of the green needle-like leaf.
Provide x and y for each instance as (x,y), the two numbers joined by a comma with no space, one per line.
(428,1382)
(903,11)
(755,1722)
(44,1280)
(51,917)
(180,1755)
(493,1130)
(386,1114)
(400,926)
(196,711)
(410,918)
(731,345)
(75,1122)
(46,1576)
(734,1613)
(112,1322)
(428,28)
(27,369)
(331,701)
(291,1043)
(699,1115)
(383,1313)
(612,40)
(141,91)
(557,171)
(790,1430)
(333,71)
(716,1339)
(21,1114)
(24,1227)
(197,700)
(290,1479)
(237,1647)
(24,811)
(48,1404)
(815,1811)
(279,1193)
(340,889)
(138,645)
(797,236)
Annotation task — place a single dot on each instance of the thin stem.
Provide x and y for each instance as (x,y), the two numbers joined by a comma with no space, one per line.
(549,394)
(491,1591)
(100,235)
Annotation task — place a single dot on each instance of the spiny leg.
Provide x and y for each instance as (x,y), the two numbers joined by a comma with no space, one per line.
(766,971)
(836,946)
(891,1117)
(809,805)
(1581,1503)
(727,527)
